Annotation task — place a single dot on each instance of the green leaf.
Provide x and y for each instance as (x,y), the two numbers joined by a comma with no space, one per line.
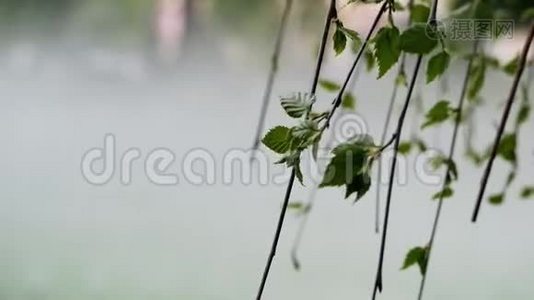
(527,192)
(491,61)
(417,255)
(349,101)
(360,185)
(527,15)
(401,79)
(398,6)
(510,178)
(523,113)
(328,85)
(299,208)
(419,13)
(507,147)
(340,37)
(447,192)
(278,139)
(351,34)
(297,105)
(348,160)
(476,78)
(496,199)
(292,160)
(417,39)
(421,145)
(452,170)
(437,66)
(439,113)
(304,135)
(405,147)
(369,60)
(511,67)
(351,165)
(387,48)
(340,41)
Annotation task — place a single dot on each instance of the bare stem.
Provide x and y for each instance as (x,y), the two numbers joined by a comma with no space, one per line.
(382,141)
(457,123)
(385,146)
(502,125)
(270,79)
(330,15)
(398,132)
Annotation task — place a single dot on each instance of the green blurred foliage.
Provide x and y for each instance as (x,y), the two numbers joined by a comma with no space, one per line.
(501,9)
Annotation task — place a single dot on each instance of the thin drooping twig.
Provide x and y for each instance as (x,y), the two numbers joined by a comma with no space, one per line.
(274,68)
(457,122)
(398,133)
(504,119)
(311,199)
(378,282)
(386,128)
(337,101)
(382,140)
(331,14)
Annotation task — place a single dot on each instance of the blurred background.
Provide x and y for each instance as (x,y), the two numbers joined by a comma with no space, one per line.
(188,74)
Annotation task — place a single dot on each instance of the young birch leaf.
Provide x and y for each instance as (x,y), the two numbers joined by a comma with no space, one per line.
(476,78)
(437,66)
(401,79)
(360,185)
(523,114)
(278,139)
(387,48)
(405,148)
(447,192)
(351,34)
(328,85)
(511,67)
(304,135)
(527,192)
(397,6)
(340,41)
(527,15)
(347,161)
(421,145)
(419,13)
(348,102)
(496,199)
(507,147)
(299,208)
(369,60)
(292,160)
(340,38)
(437,114)
(297,105)
(417,255)
(453,170)
(417,39)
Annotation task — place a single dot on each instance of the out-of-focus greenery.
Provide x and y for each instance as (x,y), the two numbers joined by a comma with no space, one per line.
(503,9)
(117,18)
